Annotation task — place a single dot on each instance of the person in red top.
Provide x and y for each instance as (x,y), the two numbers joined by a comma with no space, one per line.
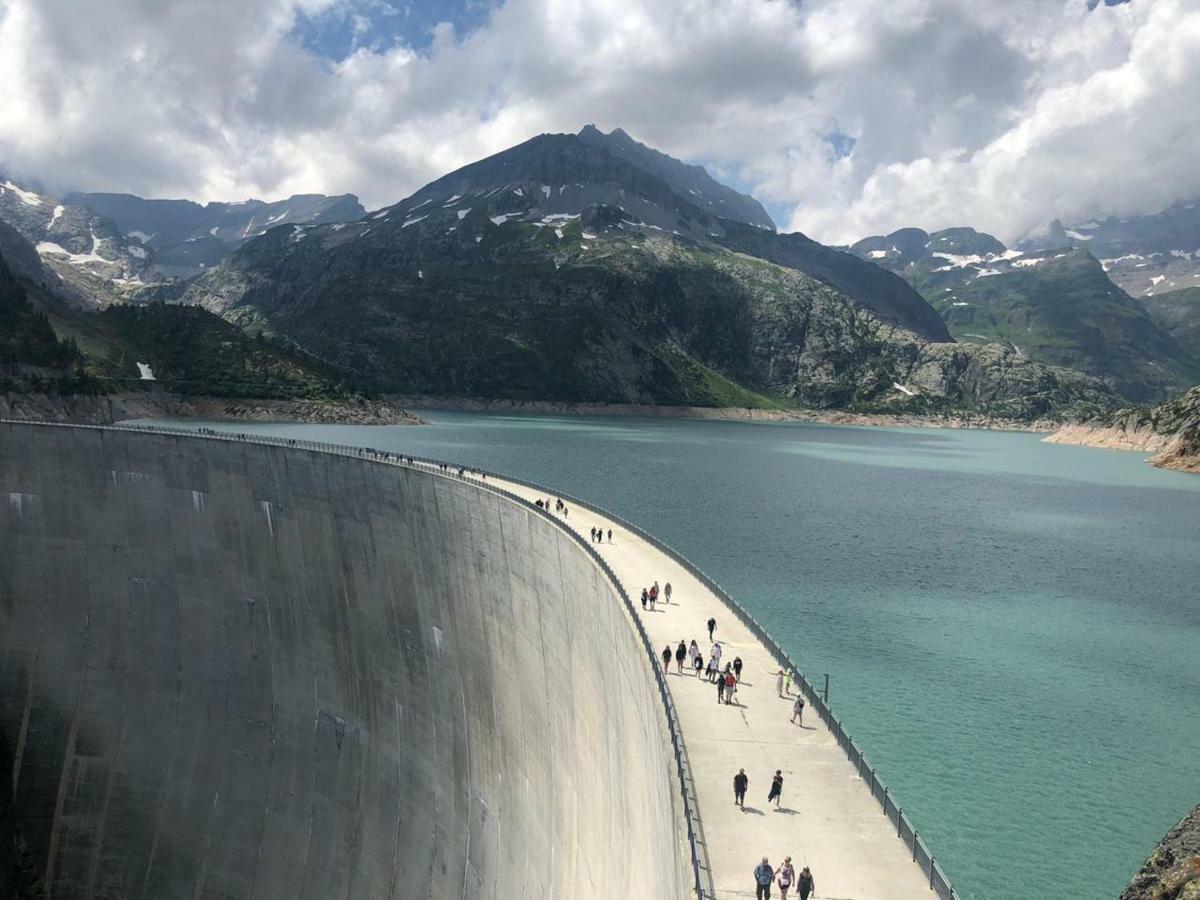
(730,685)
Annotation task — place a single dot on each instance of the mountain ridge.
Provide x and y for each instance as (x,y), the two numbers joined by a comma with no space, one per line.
(1058,306)
(186,237)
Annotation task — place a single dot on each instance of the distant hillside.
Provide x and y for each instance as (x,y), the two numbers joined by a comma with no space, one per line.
(1178,314)
(190,351)
(1057,307)
(49,346)
(187,238)
(87,252)
(470,295)
(31,355)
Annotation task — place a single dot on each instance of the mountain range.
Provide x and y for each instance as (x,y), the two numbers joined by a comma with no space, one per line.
(589,267)
(566,268)
(1145,256)
(1053,305)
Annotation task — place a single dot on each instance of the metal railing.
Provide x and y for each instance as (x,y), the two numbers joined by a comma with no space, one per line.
(817,698)
(701,870)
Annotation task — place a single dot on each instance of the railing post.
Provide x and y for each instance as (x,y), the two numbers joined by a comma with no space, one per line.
(825,695)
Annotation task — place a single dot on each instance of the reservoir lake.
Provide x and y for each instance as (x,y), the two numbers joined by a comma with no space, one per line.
(1011,628)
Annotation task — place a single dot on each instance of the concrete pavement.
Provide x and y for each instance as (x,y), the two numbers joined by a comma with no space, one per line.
(828,819)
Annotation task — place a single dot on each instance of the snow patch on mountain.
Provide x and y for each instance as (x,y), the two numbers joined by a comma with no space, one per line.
(27,197)
(75,259)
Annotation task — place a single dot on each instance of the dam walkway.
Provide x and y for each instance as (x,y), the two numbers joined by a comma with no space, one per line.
(835,816)
(828,818)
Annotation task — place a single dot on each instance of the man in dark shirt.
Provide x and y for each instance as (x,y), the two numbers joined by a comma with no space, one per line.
(740,783)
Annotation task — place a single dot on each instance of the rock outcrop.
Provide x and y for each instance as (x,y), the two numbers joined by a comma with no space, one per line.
(1171,431)
(1173,870)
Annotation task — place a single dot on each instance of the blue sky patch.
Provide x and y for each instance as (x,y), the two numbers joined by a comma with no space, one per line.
(380,25)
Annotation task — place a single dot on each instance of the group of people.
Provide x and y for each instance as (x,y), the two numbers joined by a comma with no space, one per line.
(598,535)
(559,506)
(651,594)
(785,876)
(726,679)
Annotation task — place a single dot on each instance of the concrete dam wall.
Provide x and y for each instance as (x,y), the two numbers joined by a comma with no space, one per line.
(236,670)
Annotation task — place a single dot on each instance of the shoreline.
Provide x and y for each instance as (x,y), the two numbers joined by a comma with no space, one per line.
(1175,452)
(732,414)
(107,409)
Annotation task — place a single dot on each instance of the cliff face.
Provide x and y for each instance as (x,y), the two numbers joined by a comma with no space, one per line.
(1173,870)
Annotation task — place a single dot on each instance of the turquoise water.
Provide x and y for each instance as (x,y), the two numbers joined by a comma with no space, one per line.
(1012,628)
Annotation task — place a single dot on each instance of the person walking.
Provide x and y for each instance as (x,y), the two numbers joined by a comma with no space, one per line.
(645,598)
(787,684)
(610,535)
(740,783)
(798,711)
(667,658)
(764,875)
(698,662)
(653,597)
(779,682)
(730,685)
(776,791)
(593,534)
(716,653)
(693,650)
(680,656)
(737,667)
(805,884)
(711,671)
(785,877)
(720,689)
(712,626)
(667,591)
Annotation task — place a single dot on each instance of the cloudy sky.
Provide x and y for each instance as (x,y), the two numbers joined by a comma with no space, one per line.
(845,117)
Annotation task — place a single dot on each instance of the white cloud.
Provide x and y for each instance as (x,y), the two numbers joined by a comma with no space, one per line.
(996,114)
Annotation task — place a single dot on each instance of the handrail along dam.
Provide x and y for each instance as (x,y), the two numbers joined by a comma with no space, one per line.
(229,669)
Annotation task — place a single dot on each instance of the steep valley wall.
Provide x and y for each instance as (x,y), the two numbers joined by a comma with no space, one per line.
(236,670)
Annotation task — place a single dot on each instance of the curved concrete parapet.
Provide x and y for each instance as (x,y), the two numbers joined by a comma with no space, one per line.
(237,670)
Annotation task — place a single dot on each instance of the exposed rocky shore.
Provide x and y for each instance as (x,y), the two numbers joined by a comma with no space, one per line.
(106,409)
(1173,870)
(1170,431)
(830,416)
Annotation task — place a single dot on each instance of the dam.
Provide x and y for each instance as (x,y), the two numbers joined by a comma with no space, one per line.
(243,668)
